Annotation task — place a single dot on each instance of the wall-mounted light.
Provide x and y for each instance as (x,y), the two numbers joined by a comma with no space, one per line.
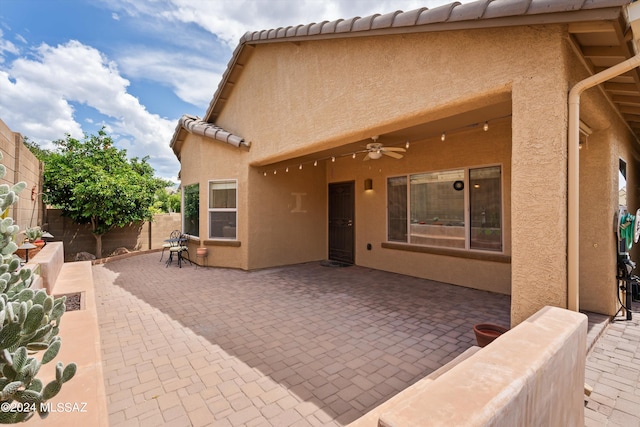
(443,136)
(486,126)
(368,184)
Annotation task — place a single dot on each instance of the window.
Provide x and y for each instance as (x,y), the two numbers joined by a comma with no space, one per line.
(223,209)
(430,209)
(397,208)
(191,211)
(485,201)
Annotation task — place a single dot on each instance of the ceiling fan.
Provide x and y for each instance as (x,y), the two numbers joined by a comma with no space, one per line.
(375,150)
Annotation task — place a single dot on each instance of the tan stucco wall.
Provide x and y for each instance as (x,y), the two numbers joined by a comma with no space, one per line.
(203,160)
(462,149)
(288,217)
(298,99)
(324,94)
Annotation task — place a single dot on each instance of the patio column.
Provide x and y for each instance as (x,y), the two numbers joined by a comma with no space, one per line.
(538,195)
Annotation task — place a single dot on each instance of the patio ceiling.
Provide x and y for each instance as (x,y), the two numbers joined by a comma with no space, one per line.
(600,45)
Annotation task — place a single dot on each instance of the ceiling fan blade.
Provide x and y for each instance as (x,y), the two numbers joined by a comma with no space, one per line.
(366,157)
(402,150)
(392,154)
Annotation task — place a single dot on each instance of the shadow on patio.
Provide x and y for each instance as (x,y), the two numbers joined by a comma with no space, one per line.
(305,343)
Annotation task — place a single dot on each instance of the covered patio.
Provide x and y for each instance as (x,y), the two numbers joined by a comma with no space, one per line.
(297,345)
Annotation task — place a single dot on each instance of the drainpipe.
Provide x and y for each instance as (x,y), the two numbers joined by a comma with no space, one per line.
(573,158)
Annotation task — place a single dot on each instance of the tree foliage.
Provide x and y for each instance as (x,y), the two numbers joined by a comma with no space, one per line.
(94,183)
(166,202)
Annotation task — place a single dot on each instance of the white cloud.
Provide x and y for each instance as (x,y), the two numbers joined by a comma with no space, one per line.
(47,86)
(115,16)
(6,47)
(192,77)
(231,19)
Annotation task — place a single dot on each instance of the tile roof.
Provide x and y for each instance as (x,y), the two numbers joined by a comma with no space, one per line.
(450,13)
(198,126)
(453,16)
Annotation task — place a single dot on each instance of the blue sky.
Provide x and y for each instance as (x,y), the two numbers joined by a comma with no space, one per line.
(135,66)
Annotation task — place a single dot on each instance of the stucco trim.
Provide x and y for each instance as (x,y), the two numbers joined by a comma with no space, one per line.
(231,243)
(481,256)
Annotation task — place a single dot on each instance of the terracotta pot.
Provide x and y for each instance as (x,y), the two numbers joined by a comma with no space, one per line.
(487,332)
(202,251)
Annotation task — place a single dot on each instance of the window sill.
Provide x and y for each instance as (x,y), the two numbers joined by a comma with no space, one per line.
(481,256)
(231,243)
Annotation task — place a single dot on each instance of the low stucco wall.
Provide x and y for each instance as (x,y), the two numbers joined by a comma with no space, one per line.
(82,401)
(50,259)
(531,375)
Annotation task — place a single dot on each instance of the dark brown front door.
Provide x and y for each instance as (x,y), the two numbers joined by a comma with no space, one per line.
(341,222)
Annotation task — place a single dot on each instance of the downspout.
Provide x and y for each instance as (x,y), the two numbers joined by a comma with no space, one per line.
(573,159)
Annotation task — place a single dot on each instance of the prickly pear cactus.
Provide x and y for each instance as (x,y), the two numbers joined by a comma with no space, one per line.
(29,323)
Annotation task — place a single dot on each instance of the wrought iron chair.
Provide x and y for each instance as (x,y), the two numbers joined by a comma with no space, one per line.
(175,234)
(179,249)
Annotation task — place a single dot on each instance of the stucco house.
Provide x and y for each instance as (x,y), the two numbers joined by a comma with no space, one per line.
(488,174)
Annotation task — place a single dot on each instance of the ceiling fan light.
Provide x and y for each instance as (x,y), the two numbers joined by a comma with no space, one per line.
(375,155)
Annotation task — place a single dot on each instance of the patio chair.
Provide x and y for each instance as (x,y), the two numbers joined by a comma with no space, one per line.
(179,249)
(175,234)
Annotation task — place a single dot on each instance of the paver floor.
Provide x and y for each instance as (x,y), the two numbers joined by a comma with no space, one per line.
(613,370)
(301,345)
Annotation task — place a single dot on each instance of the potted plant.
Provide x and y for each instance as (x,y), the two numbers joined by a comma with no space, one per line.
(34,234)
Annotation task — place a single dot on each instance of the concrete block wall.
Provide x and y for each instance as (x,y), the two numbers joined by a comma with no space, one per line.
(531,375)
(22,165)
(137,236)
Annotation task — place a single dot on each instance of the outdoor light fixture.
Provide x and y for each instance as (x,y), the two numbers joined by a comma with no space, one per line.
(368,184)
(26,246)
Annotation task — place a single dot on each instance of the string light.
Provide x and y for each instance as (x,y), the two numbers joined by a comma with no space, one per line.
(407,144)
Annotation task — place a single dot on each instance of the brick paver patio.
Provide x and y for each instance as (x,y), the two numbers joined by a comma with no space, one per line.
(613,370)
(301,345)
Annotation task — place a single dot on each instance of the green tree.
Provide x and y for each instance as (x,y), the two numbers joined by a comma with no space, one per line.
(40,153)
(94,183)
(174,202)
(165,201)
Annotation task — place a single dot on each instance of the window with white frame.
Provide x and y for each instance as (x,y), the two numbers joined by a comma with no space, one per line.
(459,208)
(223,210)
